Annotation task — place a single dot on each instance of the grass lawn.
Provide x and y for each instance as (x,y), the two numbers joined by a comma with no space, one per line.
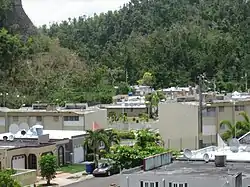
(74,168)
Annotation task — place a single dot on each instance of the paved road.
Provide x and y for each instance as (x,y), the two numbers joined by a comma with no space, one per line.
(97,182)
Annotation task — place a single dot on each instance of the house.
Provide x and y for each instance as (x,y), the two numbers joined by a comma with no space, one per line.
(133,106)
(179,122)
(71,117)
(160,171)
(67,145)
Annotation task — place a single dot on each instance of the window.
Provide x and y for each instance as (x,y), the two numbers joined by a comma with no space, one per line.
(149,184)
(39,118)
(71,118)
(221,108)
(56,118)
(175,184)
(239,108)
(15,118)
(209,112)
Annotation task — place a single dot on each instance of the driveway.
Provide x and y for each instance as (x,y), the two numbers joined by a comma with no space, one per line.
(97,182)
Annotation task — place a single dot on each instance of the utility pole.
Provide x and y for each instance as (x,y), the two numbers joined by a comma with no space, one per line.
(200,77)
(246,82)
(126,74)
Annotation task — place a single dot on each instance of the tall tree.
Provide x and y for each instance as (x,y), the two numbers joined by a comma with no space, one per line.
(94,140)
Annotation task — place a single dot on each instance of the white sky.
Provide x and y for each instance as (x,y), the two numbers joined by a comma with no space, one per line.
(48,11)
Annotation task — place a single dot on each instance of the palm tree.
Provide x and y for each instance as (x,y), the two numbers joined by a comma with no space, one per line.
(112,138)
(152,101)
(94,141)
(233,130)
(241,127)
(244,124)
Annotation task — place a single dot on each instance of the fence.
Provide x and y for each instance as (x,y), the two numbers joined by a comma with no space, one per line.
(130,126)
(190,142)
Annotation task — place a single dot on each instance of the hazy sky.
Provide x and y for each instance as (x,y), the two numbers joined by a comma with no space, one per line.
(49,11)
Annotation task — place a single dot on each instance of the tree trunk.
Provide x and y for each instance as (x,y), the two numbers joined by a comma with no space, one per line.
(48,182)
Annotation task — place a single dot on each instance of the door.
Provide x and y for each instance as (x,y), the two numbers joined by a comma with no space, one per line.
(78,154)
(18,162)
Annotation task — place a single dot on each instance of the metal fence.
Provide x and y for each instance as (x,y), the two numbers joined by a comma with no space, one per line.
(130,126)
(190,142)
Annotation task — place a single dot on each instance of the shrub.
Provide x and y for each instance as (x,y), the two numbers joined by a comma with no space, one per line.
(126,135)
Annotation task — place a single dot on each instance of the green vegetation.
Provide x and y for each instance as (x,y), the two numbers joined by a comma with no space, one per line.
(159,43)
(238,129)
(126,134)
(74,168)
(7,180)
(48,165)
(147,143)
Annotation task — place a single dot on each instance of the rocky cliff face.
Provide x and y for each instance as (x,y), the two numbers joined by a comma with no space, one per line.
(17,20)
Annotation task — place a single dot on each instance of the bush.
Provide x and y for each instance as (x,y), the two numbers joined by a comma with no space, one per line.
(126,135)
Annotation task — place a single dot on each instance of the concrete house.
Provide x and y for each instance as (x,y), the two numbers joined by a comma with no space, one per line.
(71,117)
(179,120)
(133,106)
(158,171)
(68,144)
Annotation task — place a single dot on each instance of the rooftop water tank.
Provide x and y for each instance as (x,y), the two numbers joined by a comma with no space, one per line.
(220,160)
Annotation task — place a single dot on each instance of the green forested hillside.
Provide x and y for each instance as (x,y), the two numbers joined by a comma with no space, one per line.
(175,40)
(82,59)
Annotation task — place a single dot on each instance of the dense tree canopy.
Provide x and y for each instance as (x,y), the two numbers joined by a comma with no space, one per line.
(82,59)
(175,40)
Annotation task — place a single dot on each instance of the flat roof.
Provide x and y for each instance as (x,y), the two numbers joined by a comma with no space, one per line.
(53,134)
(199,169)
(57,110)
(122,106)
(19,144)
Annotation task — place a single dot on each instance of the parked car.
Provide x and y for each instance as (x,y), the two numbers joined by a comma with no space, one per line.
(106,169)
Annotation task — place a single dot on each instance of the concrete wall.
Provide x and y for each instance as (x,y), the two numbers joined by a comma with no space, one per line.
(178,125)
(53,120)
(25,177)
(164,180)
(98,116)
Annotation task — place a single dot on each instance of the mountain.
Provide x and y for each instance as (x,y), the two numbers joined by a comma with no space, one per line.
(174,40)
(16,20)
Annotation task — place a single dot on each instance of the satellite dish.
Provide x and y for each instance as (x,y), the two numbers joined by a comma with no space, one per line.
(234,149)
(24,126)
(188,153)
(206,157)
(11,137)
(234,145)
(13,128)
(248,149)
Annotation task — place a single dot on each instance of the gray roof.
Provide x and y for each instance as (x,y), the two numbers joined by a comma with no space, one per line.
(200,168)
